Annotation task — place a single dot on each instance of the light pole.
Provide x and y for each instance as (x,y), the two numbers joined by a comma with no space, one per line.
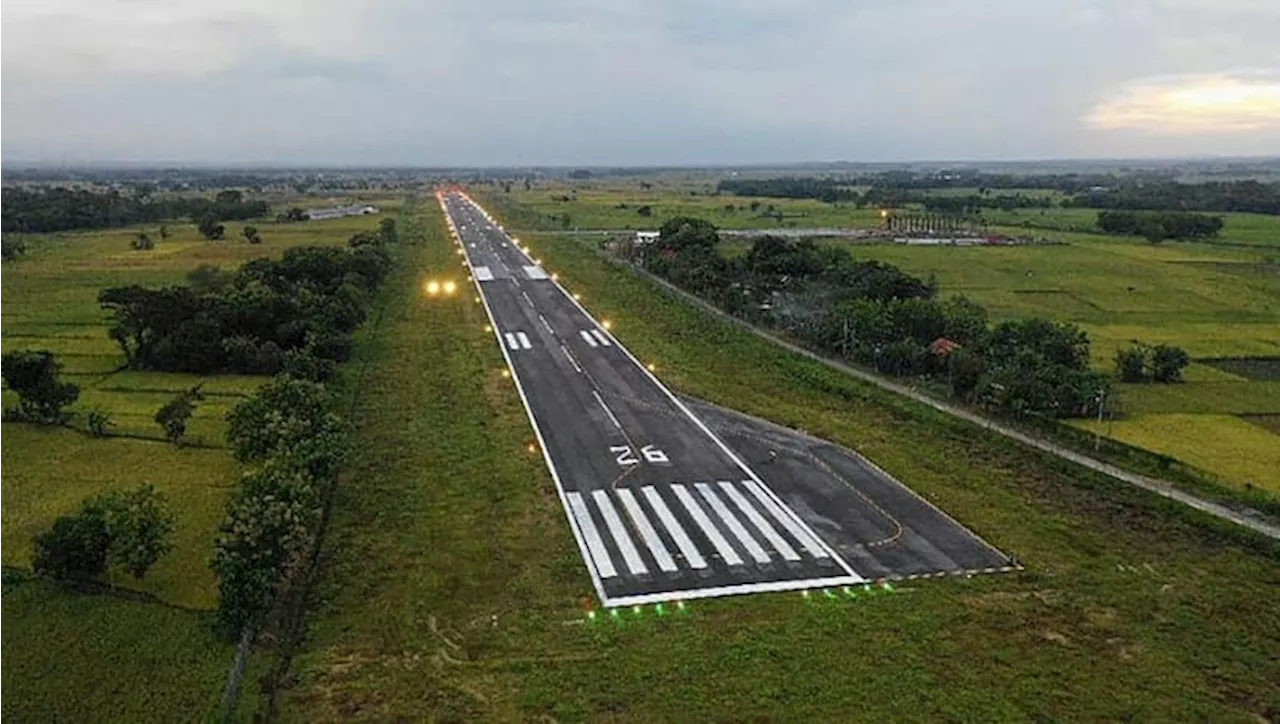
(1097,432)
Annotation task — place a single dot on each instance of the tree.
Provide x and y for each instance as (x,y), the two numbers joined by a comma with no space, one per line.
(645,210)
(34,376)
(250,234)
(209,227)
(1131,363)
(176,413)
(75,548)
(164,232)
(12,247)
(1167,363)
(142,242)
(387,231)
(139,527)
(283,411)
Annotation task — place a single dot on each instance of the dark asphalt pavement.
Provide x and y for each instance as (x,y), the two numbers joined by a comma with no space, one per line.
(661,507)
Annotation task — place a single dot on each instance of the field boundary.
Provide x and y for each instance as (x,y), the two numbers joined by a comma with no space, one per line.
(1252,520)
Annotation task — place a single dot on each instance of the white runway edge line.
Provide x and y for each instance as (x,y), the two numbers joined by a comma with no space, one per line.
(592,569)
(852,576)
(680,594)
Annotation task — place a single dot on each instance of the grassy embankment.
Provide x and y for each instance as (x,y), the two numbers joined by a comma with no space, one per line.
(453,590)
(74,656)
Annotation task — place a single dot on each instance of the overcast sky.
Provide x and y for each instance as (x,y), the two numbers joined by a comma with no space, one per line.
(575,82)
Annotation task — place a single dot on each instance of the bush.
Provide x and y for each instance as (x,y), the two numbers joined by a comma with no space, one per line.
(75,548)
(1167,363)
(176,413)
(139,526)
(1131,363)
(98,422)
(34,376)
(283,411)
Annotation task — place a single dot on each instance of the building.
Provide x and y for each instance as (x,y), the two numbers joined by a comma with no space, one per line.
(647,237)
(338,212)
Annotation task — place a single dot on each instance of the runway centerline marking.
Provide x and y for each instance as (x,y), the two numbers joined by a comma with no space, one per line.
(619,532)
(641,522)
(595,544)
(547,324)
(612,418)
(569,356)
(709,529)
(779,543)
(735,526)
(686,546)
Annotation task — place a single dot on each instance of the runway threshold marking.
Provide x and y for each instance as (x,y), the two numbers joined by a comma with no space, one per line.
(511,340)
(524,340)
(687,549)
(604,339)
(642,524)
(735,526)
(586,337)
(709,529)
(595,544)
(619,532)
(801,534)
(779,543)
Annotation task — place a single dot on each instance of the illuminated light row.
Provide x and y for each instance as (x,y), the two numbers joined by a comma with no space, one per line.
(618,613)
(848,591)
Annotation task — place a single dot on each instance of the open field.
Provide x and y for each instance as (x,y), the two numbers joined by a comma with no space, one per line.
(454,590)
(79,657)
(154,658)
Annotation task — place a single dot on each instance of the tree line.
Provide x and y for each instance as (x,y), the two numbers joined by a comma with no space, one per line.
(27,210)
(270,315)
(876,314)
(1156,226)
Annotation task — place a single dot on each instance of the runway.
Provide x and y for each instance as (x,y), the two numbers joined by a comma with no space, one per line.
(660,506)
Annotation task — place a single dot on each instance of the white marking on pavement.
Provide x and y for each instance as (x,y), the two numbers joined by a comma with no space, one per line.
(804,536)
(569,355)
(629,553)
(651,539)
(511,341)
(524,340)
(586,336)
(546,324)
(595,544)
(535,272)
(607,411)
(482,273)
(527,298)
(604,338)
(686,546)
(726,551)
(779,543)
(735,526)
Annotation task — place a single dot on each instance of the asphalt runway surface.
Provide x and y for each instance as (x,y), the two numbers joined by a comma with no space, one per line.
(664,506)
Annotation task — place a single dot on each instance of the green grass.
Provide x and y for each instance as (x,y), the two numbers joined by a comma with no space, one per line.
(454,592)
(78,657)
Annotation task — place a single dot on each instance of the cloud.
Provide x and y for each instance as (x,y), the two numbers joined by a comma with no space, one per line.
(623,82)
(1196,104)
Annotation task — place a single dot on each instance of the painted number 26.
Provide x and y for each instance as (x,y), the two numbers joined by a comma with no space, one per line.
(625,456)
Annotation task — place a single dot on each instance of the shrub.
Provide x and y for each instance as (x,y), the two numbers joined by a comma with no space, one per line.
(75,548)
(1167,363)
(98,422)
(139,526)
(1131,363)
(34,376)
(176,413)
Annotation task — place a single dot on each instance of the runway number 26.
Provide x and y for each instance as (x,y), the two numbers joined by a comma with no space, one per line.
(625,456)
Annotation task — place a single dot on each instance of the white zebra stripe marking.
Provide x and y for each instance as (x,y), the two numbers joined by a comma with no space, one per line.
(511,340)
(524,340)
(804,536)
(779,543)
(604,339)
(629,553)
(709,529)
(686,546)
(595,544)
(586,337)
(735,526)
(641,522)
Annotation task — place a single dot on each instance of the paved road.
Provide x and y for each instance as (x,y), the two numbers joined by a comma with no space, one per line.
(661,507)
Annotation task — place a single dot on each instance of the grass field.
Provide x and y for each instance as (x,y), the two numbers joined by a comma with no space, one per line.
(115,659)
(454,592)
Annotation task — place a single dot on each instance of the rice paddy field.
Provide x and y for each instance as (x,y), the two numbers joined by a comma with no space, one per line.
(143,650)
(1220,301)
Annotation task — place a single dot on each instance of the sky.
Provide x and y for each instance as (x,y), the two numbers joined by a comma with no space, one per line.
(635,82)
